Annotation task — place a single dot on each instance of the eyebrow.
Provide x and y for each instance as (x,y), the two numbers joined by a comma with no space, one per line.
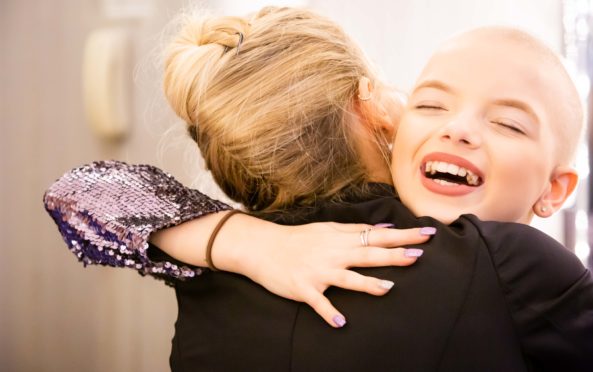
(518,105)
(434,84)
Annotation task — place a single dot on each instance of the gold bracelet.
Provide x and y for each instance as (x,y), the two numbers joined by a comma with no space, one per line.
(213,236)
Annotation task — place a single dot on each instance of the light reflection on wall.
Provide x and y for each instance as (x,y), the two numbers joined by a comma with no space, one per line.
(578,50)
(582,248)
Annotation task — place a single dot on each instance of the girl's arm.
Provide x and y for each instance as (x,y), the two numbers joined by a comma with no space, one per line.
(106,212)
(295,262)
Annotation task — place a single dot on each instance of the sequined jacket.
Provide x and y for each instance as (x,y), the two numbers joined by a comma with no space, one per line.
(105,211)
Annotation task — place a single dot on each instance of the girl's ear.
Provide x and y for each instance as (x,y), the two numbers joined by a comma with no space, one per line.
(563,182)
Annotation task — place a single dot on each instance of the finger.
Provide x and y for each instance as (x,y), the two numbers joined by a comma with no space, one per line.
(382,237)
(348,227)
(354,281)
(322,306)
(377,257)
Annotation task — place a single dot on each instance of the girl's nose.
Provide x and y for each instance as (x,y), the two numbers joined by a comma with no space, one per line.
(462,131)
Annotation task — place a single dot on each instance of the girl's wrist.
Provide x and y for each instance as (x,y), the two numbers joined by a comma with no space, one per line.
(240,244)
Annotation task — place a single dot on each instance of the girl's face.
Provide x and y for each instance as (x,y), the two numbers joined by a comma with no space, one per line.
(476,135)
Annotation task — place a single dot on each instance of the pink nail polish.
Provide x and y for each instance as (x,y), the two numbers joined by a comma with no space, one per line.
(386,284)
(428,230)
(339,321)
(386,225)
(413,252)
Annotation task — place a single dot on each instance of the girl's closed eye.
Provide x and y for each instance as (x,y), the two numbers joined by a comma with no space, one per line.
(432,106)
(509,126)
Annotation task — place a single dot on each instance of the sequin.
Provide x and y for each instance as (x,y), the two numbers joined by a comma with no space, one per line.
(110,207)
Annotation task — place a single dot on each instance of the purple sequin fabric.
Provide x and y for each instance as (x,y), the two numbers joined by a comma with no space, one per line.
(106,211)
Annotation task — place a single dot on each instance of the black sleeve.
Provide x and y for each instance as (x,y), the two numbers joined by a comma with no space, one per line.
(549,294)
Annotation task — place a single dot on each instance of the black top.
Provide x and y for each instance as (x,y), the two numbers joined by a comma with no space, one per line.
(485,296)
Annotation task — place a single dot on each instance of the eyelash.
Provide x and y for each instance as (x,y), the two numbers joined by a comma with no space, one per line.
(429,107)
(510,127)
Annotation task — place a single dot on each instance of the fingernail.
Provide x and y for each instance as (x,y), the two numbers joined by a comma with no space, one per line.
(387,225)
(428,230)
(386,284)
(413,252)
(339,321)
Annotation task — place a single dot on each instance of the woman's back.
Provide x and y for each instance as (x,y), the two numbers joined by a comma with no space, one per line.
(447,312)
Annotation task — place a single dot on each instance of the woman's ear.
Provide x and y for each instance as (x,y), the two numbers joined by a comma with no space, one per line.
(563,182)
(365,89)
(379,109)
(392,105)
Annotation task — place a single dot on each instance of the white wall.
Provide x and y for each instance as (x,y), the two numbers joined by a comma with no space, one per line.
(399,35)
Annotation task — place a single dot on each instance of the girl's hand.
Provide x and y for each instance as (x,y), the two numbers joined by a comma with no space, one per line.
(301,262)
(295,262)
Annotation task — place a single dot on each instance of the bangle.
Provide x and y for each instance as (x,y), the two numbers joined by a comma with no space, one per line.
(213,236)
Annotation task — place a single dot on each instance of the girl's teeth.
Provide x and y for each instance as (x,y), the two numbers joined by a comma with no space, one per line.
(433,167)
(452,168)
(445,183)
(472,179)
(442,167)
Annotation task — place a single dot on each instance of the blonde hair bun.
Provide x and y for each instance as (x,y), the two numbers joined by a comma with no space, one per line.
(196,54)
(272,121)
(223,31)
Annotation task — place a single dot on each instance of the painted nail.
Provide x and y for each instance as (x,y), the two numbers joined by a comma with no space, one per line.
(386,225)
(339,321)
(386,284)
(428,230)
(413,252)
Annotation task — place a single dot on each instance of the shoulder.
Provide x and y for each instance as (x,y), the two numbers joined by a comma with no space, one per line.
(548,291)
(377,209)
(529,262)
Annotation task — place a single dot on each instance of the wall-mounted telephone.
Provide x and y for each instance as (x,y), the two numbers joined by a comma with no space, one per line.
(107,82)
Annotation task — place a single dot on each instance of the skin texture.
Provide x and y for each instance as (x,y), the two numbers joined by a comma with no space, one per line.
(490,105)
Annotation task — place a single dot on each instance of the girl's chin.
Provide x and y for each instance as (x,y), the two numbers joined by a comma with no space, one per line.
(442,214)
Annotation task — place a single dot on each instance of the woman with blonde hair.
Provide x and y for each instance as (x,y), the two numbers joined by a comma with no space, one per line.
(233,82)
(280,106)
